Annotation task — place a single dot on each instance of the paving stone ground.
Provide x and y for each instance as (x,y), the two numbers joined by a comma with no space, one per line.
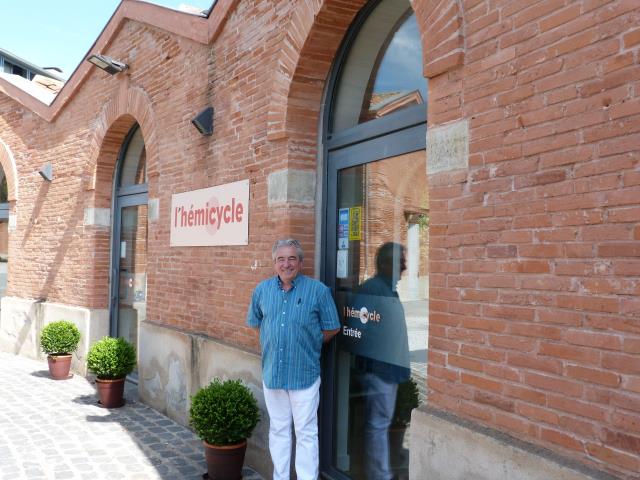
(56,430)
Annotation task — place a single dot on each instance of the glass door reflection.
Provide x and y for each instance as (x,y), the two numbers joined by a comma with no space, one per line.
(382,296)
(132,278)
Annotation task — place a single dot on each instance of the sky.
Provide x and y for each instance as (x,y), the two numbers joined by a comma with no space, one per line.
(401,66)
(59,34)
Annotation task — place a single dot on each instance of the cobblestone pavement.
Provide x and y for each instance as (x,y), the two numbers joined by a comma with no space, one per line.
(56,430)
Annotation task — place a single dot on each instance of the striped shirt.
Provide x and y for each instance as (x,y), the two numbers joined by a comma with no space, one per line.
(291,325)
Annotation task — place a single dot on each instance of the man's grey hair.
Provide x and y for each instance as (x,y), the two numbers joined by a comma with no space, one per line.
(288,242)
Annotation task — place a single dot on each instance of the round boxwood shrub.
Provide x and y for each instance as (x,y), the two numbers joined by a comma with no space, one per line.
(224,413)
(59,338)
(407,399)
(111,358)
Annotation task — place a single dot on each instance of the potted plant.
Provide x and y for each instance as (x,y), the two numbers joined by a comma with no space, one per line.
(59,340)
(407,399)
(223,414)
(111,360)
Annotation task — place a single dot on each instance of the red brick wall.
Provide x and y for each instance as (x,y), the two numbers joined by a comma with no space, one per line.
(4,238)
(534,263)
(395,189)
(535,317)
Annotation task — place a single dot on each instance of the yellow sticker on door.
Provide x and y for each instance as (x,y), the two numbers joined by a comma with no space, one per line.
(355,223)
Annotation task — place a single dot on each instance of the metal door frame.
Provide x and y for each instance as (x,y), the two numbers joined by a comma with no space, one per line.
(396,143)
(403,132)
(128,196)
(120,203)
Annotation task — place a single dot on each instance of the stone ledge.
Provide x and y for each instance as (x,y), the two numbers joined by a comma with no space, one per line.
(22,320)
(452,448)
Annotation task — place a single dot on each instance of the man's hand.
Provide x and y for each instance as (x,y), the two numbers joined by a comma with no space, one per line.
(329,334)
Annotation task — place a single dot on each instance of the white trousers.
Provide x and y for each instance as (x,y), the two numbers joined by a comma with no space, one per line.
(302,407)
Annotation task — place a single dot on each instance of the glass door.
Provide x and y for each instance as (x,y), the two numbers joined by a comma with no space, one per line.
(378,264)
(375,244)
(130,258)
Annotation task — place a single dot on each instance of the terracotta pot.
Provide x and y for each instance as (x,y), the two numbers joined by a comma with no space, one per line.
(111,392)
(225,462)
(59,366)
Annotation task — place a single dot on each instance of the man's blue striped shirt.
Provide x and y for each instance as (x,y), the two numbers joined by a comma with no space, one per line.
(291,325)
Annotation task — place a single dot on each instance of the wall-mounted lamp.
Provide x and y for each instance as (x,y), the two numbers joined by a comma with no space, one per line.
(107,64)
(46,172)
(204,121)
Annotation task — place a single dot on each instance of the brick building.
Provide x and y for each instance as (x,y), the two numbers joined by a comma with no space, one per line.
(497,141)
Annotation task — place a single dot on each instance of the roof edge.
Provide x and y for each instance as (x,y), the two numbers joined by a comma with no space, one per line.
(31,66)
(203,30)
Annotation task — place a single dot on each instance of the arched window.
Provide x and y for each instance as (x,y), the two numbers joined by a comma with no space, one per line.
(382,72)
(133,165)
(4,190)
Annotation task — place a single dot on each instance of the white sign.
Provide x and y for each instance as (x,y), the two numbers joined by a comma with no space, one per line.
(342,264)
(211,216)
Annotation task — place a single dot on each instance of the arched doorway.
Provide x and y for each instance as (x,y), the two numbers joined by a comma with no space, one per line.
(129,239)
(376,244)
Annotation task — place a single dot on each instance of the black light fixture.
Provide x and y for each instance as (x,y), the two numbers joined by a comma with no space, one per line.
(108,64)
(46,172)
(204,121)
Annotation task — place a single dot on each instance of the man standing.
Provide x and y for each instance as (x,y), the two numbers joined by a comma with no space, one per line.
(295,315)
